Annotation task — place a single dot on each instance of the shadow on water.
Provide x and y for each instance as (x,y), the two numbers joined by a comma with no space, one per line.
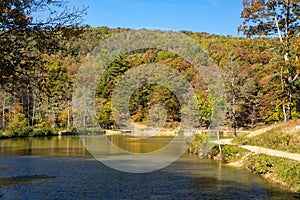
(4,181)
(224,189)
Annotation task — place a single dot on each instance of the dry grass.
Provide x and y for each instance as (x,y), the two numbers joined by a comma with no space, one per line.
(283,136)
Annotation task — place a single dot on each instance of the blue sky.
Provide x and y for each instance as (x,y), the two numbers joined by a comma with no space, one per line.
(220,17)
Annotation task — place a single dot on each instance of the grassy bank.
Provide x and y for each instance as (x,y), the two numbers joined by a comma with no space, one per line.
(284,137)
(283,171)
(279,170)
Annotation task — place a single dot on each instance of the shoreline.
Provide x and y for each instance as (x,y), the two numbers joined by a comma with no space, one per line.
(240,165)
(246,162)
(267,177)
(166,133)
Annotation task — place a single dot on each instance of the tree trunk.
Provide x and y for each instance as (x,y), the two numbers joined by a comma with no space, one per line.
(33,112)
(234,113)
(220,149)
(3,114)
(69,122)
(253,116)
(234,131)
(28,107)
(284,113)
(53,120)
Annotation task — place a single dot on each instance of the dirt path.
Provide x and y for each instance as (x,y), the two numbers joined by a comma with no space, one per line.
(272,152)
(262,150)
(222,141)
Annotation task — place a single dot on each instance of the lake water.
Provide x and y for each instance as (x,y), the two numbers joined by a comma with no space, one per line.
(61,168)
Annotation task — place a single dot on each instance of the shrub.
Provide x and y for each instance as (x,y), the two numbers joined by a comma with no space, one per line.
(73,130)
(25,132)
(18,126)
(195,144)
(44,131)
(230,153)
(2,135)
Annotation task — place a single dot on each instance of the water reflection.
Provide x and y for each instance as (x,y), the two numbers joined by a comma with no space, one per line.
(50,146)
(140,145)
(72,145)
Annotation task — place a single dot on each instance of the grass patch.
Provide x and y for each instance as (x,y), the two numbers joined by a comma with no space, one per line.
(285,138)
(233,153)
(229,153)
(283,170)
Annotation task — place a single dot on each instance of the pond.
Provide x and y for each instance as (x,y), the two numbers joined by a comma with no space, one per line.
(61,168)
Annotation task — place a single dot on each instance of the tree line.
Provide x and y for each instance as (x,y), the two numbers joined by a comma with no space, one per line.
(40,59)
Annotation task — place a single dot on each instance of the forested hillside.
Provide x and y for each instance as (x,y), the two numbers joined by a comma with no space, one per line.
(251,71)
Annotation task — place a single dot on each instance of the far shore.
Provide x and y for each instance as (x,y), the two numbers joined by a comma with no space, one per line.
(141,133)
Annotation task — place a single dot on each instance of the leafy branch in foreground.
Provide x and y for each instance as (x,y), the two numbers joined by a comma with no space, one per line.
(29,32)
